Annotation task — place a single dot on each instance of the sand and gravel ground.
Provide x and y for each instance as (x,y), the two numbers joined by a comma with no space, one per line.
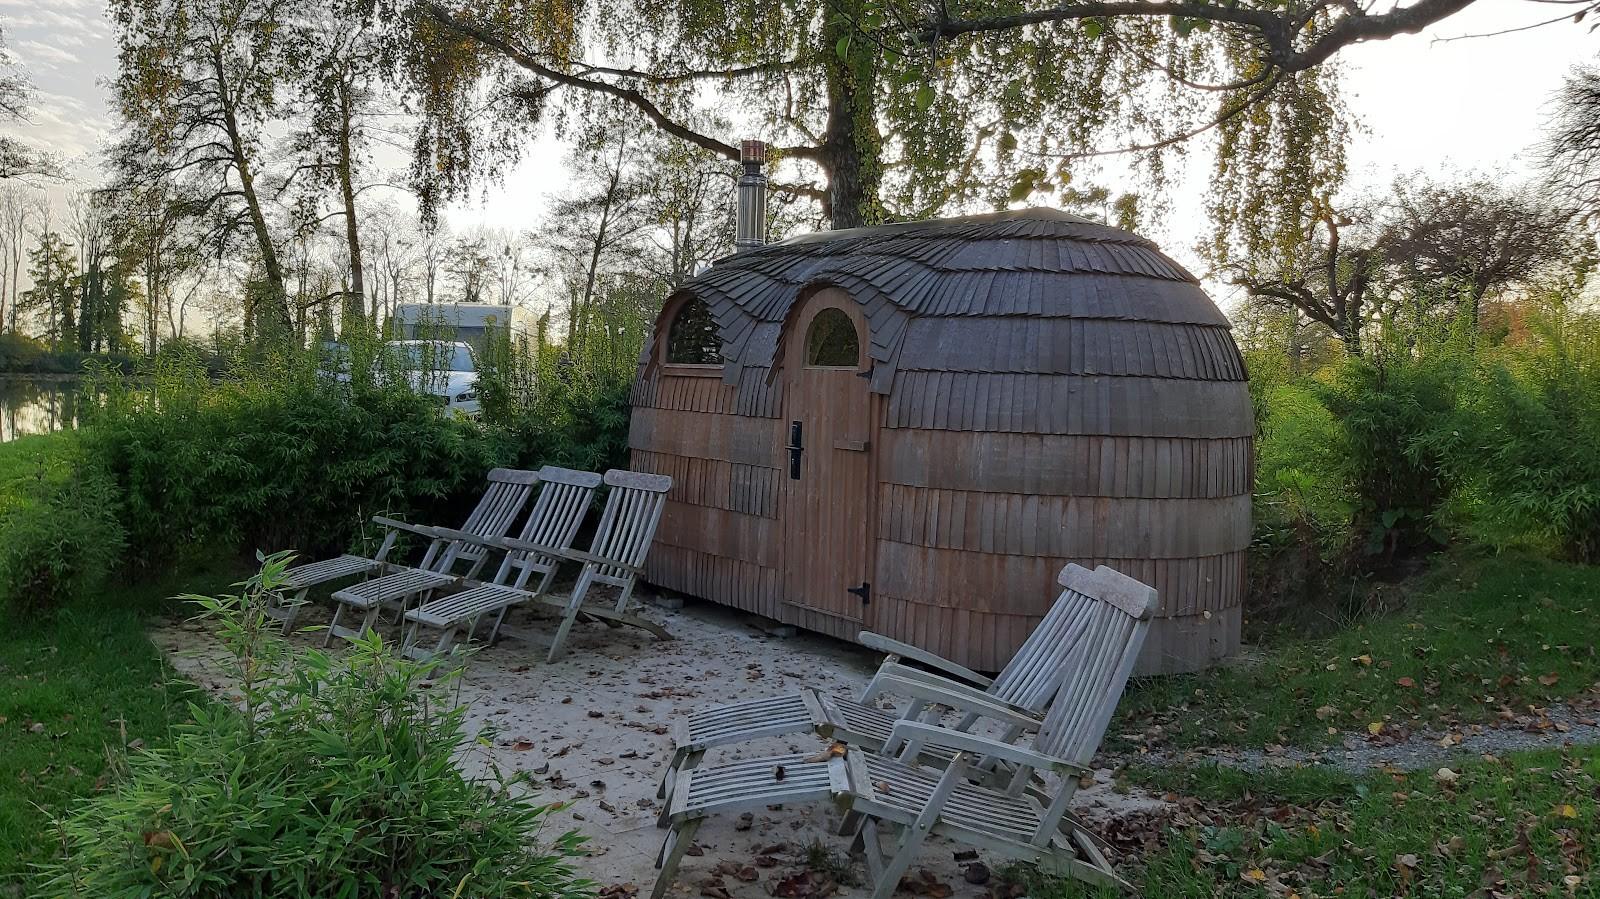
(593,729)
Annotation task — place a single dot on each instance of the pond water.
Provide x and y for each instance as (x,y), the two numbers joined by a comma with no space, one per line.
(36,407)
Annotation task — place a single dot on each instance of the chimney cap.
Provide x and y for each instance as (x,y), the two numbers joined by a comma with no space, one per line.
(752,151)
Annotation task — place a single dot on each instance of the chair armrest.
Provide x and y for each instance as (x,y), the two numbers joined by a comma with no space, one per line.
(397,524)
(965,700)
(916,732)
(954,695)
(892,647)
(465,537)
(579,555)
(563,552)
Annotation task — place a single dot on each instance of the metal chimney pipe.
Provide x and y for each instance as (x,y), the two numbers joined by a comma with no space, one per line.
(750,219)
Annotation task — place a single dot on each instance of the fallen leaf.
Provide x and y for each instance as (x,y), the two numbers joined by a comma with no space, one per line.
(1375,728)
(1255,875)
(1406,682)
(1566,811)
(1364,659)
(1549,680)
(1446,776)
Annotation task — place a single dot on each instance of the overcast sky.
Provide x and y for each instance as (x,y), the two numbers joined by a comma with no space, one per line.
(1425,103)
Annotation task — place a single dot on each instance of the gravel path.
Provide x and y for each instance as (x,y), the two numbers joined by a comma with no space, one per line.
(1359,753)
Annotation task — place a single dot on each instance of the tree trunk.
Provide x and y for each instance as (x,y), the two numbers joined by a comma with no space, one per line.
(355,296)
(277,316)
(851,149)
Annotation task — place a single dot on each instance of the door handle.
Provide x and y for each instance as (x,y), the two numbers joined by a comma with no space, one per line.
(795,449)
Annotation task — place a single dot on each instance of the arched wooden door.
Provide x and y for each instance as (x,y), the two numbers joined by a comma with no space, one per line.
(827,473)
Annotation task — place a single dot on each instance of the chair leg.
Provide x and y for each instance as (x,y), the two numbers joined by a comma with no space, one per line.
(570,613)
(677,843)
(627,592)
(494,634)
(679,763)
(291,609)
(911,839)
(338,612)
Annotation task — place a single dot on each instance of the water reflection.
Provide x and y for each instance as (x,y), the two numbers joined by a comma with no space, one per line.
(36,407)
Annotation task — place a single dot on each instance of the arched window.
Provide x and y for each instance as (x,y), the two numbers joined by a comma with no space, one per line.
(832,340)
(693,338)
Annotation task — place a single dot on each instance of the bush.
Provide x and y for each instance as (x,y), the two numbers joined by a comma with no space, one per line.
(59,534)
(336,778)
(1527,441)
(279,457)
(1387,408)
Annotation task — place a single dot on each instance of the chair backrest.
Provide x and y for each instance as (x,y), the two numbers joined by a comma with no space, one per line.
(564,498)
(508,492)
(1032,677)
(628,524)
(497,509)
(1102,659)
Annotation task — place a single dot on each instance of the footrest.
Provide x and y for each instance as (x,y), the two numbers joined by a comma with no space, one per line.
(755,783)
(736,722)
(391,588)
(459,607)
(313,573)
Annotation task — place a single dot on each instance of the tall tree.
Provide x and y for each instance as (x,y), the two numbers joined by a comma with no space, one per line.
(1330,279)
(19,208)
(54,275)
(333,71)
(1571,150)
(898,108)
(1476,235)
(197,86)
(18,159)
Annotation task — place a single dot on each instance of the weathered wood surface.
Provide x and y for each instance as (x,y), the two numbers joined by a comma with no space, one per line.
(1043,390)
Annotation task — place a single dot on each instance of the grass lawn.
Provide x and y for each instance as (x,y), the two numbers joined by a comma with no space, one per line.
(1481,634)
(1520,826)
(70,689)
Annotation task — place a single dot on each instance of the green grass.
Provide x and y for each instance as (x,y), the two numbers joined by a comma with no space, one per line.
(25,457)
(1480,634)
(95,683)
(1521,826)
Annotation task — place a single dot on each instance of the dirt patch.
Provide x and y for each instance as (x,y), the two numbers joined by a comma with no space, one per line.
(594,730)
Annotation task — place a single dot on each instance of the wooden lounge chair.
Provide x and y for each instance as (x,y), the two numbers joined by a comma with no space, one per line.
(615,556)
(1017,695)
(507,492)
(448,549)
(889,796)
(558,512)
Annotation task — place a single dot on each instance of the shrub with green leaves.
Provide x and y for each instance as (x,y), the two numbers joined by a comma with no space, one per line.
(59,533)
(334,778)
(1387,407)
(1527,440)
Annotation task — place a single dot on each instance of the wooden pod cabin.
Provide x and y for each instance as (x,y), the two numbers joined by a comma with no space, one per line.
(910,429)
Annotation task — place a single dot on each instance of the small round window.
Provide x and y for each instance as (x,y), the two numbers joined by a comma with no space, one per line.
(693,338)
(832,340)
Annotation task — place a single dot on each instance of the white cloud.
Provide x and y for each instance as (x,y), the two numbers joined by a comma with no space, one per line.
(36,53)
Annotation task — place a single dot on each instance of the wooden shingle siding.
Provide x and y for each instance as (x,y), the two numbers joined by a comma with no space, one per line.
(731,438)
(1072,346)
(1059,465)
(1044,388)
(1069,404)
(1065,526)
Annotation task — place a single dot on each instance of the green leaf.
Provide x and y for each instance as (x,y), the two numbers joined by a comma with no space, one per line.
(843,47)
(1093,28)
(924,97)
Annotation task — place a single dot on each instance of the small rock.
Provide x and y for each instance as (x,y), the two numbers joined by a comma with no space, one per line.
(745,822)
(976,873)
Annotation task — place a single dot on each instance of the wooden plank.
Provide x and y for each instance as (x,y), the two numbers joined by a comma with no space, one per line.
(731,438)
(1070,404)
(1051,465)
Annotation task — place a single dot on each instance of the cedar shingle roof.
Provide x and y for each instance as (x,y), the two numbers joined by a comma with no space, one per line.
(1042,266)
